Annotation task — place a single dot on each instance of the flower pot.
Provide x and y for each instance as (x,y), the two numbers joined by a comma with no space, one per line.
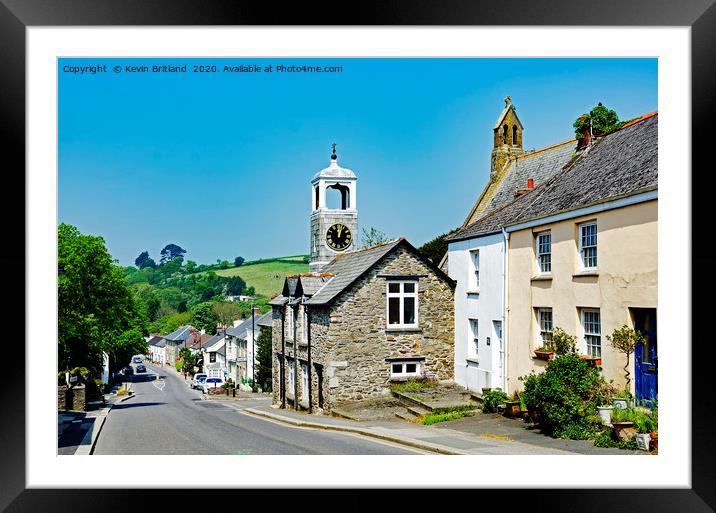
(512,409)
(643,440)
(654,439)
(592,359)
(605,413)
(621,404)
(544,355)
(624,430)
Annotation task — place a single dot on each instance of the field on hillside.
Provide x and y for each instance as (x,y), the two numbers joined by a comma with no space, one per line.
(267,278)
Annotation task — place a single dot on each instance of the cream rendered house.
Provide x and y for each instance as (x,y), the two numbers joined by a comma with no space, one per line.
(582,255)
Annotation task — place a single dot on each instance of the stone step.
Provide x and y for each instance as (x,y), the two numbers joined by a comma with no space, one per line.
(406,415)
(418,411)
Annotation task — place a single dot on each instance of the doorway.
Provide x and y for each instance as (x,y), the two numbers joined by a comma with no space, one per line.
(646,361)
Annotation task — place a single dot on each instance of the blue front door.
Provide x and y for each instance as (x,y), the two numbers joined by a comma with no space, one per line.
(645,356)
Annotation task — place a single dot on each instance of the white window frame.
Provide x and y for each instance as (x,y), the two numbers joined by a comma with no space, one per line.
(474,327)
(589,337)
(474,280)
(540,326)
(304,382)
(401,295)
(547,261)
(304,321)
(290,319)
(583,248)
(403,373)
(291,377)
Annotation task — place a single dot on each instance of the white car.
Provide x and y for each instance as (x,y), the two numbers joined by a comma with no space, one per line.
(211,383)
(197,379)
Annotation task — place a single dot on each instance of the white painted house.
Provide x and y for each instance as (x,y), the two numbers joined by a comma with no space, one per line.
(214,355)
(478,264)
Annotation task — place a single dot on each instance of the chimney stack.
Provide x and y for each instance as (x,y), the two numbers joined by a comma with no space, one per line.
(256,311)
(530,183)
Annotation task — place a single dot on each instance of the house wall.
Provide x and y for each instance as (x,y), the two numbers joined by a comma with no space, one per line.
(350,340)
(481,366)
(627,278)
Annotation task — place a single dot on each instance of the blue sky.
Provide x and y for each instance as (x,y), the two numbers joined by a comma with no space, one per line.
(220,163)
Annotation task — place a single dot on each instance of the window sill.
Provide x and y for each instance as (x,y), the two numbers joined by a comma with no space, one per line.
(473,292)
(581,274)
(541,277)
(472,360)
(404,378)
(406,329)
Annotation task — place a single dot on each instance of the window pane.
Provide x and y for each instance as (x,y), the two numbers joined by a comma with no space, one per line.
(397,368)
(393,310)
(409,310)
(410,367)
(393,287)
(409,287)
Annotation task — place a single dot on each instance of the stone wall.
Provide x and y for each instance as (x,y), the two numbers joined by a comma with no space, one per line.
(74,398)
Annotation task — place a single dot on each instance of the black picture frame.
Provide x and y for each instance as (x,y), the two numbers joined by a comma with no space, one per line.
(17,15)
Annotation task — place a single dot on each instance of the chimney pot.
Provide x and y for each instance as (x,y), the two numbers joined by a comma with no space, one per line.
(530,183)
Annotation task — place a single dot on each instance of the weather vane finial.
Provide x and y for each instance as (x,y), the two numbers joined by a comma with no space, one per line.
(334,156)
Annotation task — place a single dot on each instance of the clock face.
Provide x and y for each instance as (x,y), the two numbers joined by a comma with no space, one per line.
(339,237)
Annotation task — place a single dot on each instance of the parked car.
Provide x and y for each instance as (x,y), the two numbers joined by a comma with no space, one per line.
(141,368)
(137,359)
(195,380)
(128,371)
(211,383)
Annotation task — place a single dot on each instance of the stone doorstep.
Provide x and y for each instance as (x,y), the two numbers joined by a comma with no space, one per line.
(432,405)
(337,412)
(417,410)
(407,415)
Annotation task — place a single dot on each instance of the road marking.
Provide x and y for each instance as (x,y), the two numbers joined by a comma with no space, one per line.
(158,384)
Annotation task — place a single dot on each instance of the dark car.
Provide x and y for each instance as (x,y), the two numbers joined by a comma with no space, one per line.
(141,368)
(128,371)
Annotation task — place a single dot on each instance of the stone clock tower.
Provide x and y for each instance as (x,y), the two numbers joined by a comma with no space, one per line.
(334,228)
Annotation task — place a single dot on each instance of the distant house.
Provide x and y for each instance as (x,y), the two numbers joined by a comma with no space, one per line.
(175,341)
(370,317)
(156,349)
(214,356)
(241,345)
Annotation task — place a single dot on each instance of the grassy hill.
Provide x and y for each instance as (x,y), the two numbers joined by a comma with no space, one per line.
(267,276)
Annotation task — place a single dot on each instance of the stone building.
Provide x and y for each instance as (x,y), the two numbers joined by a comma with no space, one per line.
(371,317)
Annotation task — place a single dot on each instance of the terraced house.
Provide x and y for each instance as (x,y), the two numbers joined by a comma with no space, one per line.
(579,252)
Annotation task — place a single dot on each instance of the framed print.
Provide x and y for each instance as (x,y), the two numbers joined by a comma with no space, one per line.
(409,329)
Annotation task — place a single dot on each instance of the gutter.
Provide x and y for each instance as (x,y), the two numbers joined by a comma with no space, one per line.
(505,298)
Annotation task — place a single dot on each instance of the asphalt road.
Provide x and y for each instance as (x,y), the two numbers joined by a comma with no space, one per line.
(167,417)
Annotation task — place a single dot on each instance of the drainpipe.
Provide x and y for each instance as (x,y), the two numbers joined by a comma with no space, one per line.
(505,262)
(295,362)
(282,370)
(308,336)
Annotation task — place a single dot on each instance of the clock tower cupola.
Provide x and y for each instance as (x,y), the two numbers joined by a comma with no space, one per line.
(334,215)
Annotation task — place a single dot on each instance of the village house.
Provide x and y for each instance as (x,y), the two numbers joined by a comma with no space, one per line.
(477,263)
(214,356)
(579,252)
(240,345)
(175,341)
(156,346)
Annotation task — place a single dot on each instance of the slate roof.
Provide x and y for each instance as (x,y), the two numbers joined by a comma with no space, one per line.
(240,330)
(160,343)
(540,165)
(154,340)
(620,164)
(349,267)
(279,300)
(308,285)
(181,334)
(199,342)
(266,320)
(214,342)
(289,286)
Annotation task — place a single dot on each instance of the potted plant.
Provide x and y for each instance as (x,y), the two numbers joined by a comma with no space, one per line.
(625,340)
(512,407)
(623,423)
(655,439)
(623,400)
(644,426)
(605,413)
(544,353)
(594,360)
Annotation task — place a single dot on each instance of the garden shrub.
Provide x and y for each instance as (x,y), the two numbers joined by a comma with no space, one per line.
(491,399)
(563,396)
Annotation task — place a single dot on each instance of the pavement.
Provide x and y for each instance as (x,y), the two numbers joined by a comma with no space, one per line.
(480,434)
(77,431)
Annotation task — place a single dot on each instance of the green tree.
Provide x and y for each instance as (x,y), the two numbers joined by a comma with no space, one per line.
(203,317)
(603,121)
(97,311)
(190,267)
(372,236)
(263,359)
(170,252)
(226,313)
(235,285)
(143,260)
(625,340)
(436,248)
(238,261)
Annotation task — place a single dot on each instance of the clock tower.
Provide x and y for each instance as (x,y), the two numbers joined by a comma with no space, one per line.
(334,227)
